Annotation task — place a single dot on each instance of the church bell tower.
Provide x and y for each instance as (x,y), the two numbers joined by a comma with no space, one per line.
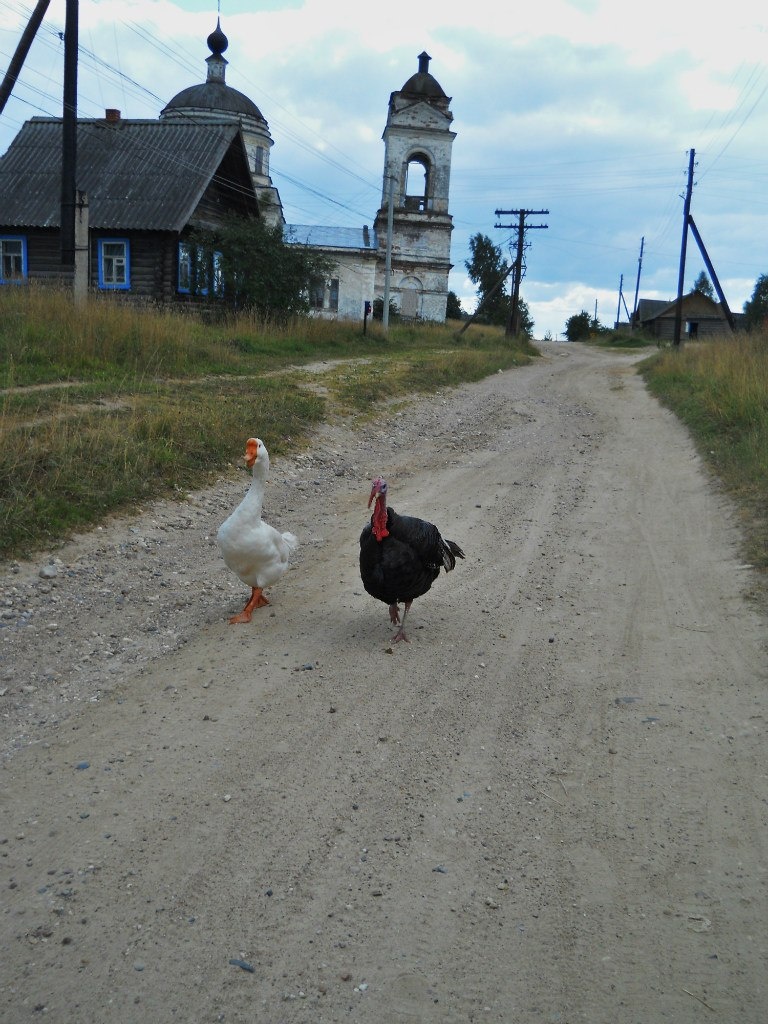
(417,170)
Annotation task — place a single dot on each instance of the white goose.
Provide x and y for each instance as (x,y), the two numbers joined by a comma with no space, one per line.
(251,548)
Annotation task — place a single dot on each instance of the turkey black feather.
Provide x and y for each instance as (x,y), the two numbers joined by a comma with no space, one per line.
(401,556)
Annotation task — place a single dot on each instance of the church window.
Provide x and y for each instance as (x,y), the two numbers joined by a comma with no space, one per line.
(324,294)
(316,293)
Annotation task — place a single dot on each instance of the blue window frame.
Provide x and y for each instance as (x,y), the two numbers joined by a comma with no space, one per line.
(185,268)
(195,271)
(13,259)
(114,264)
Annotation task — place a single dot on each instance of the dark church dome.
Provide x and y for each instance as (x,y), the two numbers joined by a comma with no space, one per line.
(213,96)
(216,97)
(423,83)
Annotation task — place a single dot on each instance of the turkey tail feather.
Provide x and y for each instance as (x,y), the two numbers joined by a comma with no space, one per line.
(451,551)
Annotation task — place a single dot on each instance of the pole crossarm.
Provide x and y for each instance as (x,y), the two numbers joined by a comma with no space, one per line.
(513,323)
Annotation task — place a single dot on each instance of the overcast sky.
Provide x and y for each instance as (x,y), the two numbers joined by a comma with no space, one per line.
(585,108)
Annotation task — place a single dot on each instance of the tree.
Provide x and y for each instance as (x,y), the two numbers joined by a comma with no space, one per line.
(378,310)
(703,286)
(578,327)
(526,323)
(453,310)
(259,270)
(756,308)
(487,269)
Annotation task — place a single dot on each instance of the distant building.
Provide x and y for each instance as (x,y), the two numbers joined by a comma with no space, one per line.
(145,186)
(700,317)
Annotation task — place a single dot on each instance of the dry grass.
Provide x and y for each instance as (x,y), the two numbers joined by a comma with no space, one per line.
(106,405)
(719,388)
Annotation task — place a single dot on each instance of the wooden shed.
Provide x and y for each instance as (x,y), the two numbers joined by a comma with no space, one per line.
(147,185)
(701,317)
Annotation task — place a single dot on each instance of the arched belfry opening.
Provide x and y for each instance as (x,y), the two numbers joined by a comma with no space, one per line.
(417,182)
(413,224)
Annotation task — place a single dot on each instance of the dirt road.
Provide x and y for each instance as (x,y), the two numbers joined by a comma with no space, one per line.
(549,806)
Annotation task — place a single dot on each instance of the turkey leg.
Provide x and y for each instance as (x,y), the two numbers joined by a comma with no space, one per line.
(400,634)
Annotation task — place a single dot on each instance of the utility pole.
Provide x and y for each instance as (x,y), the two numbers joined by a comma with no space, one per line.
(712,274)
(622,302)
(637,283)
(388,256)
(69,138)
(688,222)
(17,61)
(683,247)
(513,323)
(486,298)
(621,296)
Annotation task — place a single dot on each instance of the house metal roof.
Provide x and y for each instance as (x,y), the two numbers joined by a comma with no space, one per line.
(141,175)
(653,309)
(331,237)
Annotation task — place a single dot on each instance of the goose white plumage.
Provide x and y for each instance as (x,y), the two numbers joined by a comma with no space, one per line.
(255,551)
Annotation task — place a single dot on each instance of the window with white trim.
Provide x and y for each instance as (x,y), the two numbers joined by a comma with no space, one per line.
(114,263)
(13,259)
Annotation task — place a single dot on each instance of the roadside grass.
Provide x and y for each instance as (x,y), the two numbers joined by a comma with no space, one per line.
(45,338)
(719,389)
(105,406)
(363,386)
(70,474)
(622,339)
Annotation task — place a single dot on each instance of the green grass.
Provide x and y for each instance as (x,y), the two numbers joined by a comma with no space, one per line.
(622,339)
(719,389)
(104,406)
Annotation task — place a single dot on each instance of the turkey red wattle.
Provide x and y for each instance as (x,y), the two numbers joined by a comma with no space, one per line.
(379,519)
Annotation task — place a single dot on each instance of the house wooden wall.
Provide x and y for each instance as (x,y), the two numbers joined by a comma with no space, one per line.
(153,262)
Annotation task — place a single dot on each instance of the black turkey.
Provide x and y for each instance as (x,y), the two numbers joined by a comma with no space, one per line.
(401,556)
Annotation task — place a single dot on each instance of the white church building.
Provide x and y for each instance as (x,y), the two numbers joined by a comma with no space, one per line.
(407,253)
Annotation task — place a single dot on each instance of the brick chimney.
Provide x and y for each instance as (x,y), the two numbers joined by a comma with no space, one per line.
(112,116)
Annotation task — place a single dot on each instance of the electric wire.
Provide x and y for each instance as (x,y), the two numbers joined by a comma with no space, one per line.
(586,181)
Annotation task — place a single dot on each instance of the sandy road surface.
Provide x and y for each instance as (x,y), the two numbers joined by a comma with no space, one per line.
(550,806)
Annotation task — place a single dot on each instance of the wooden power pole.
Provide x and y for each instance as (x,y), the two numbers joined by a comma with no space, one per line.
(69,138)
(637,283)
(683,247)
(688,222)
(17,61)
(513,323)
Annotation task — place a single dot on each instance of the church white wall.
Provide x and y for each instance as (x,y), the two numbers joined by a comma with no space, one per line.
(356,273)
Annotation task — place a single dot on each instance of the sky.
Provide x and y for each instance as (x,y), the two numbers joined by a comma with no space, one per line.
(587,109)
